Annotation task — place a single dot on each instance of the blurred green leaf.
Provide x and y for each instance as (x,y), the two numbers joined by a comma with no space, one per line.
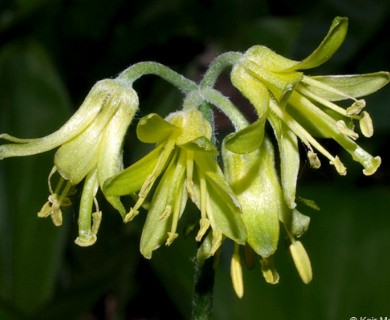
(33,102)
(348,244)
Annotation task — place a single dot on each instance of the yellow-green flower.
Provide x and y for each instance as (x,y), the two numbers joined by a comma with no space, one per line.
(304,106)
(250,169)
(90,148)
(184,162)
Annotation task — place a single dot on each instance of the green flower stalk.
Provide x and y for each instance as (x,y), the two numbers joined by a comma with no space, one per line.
(184,162)
(90,149)
(304,106)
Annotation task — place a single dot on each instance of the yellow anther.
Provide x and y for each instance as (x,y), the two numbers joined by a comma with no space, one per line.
(347,131)
(236,273)
(269,271)
(341,169)
(314,161)
(171,237)
(130,216)
(301,261)
(96,220)
(166,213)
(204,225)
(217,241)
(356,108)
(366,125)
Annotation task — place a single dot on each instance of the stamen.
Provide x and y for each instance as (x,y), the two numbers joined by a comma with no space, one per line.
(46,210)
(314,161)
(148,184)
(204,226)
(217,241)
(53,206)
(190,171)
(269,271)
(166,213)
(64,200)
(171,237)
(340,168)
(236,272)
(96,217)
(145,189)
(203,196)
(356,108)
(301,261)
(56,213)
(96,220)
(301,132)
(322,101)
(52,172)
(344,129)
(366,126)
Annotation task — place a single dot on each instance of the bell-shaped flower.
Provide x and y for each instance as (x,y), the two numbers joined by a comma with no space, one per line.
(304,106)
(90,148)
(250,169)
(184,164)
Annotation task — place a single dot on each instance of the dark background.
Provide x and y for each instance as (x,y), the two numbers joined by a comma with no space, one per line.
(52,52)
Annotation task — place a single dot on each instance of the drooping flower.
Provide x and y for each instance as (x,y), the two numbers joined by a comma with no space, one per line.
(304,106)
(184,162)
(250,169)
(297,106)
(90,148)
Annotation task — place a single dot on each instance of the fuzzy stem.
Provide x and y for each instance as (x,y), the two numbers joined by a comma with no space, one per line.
(217,66)
(202,301)
(223,103)
(137,70)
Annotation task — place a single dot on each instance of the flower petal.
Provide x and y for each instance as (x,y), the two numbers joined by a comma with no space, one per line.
(268,59)
(82,118)
(153,129)
(75,159)
(110,155)
(201,144)
(289,159)
(328,46)
(159,218)
(254,180)
(224,210)
(349,85)
(132,178)
(254,90)
(246,140)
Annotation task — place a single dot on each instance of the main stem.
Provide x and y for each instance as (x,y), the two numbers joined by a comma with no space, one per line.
(202,301)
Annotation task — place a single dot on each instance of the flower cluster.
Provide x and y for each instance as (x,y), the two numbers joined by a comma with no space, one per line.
(251,198)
